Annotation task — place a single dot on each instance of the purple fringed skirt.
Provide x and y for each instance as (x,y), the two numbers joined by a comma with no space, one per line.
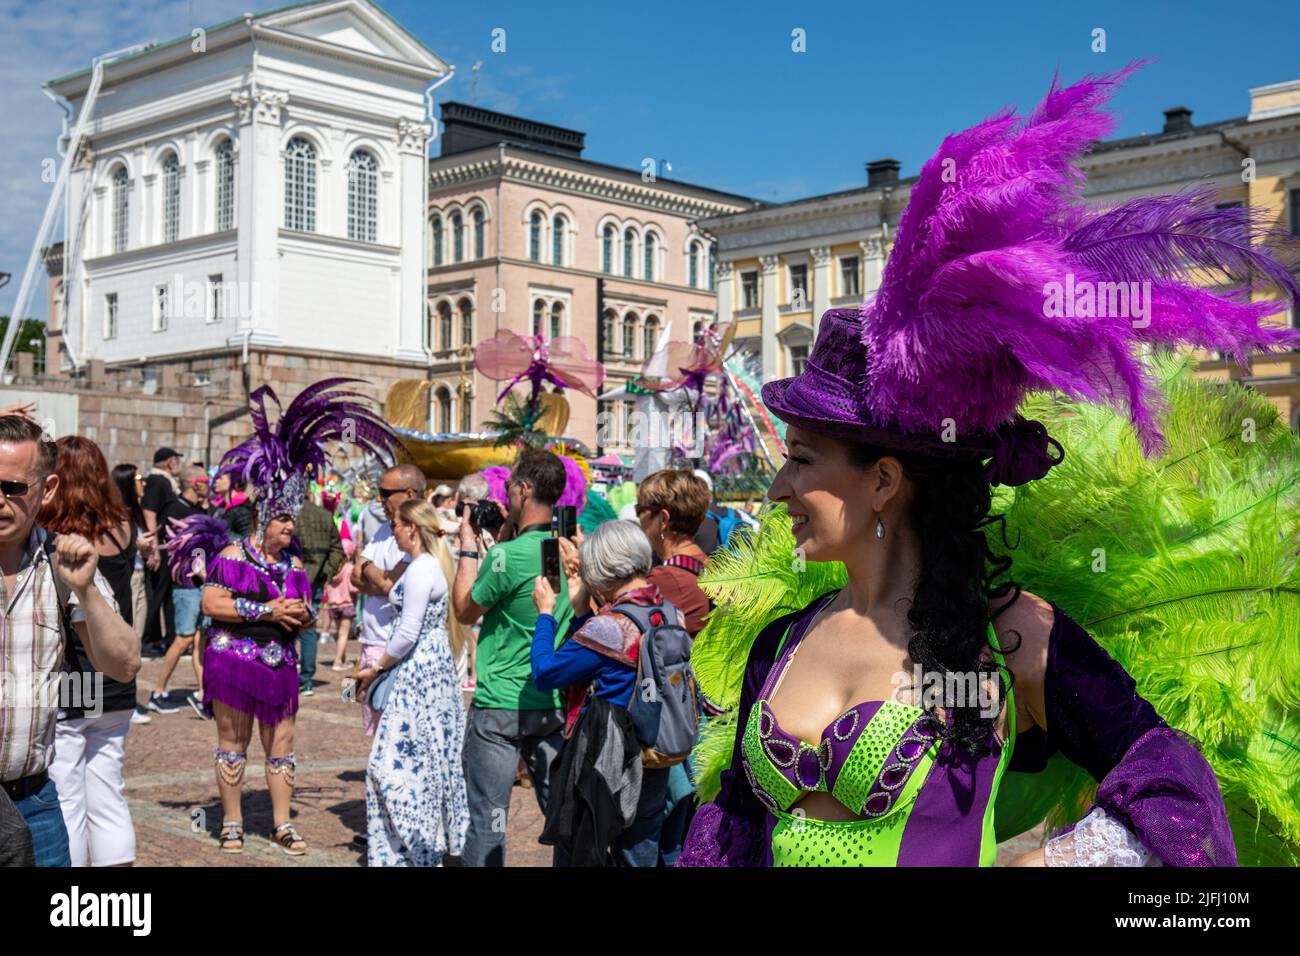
(257,679)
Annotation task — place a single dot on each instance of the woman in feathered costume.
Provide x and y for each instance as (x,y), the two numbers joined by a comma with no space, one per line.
(876,724)
(257,594)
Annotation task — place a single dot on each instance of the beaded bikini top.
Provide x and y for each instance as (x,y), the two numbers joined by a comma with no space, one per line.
(872,758)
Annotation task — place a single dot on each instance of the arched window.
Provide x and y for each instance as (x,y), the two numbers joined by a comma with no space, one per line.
(539,315)
(480,237)
(225,185)
(444,326)
(608,328)
(457,238)
(693,266)
(558,225)
(650,256)
(121,209)
(437,241)
(466,322)
(607,239)
(629,251)
(300,185)
(651,336)
(363,197)
(629,335)
(557,320)
(444,410)
(171,198)
(535,236)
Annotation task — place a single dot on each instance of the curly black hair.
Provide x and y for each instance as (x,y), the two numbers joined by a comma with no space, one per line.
(960,574)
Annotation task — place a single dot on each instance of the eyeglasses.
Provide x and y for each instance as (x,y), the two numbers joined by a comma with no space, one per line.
(14,489)
(387,493)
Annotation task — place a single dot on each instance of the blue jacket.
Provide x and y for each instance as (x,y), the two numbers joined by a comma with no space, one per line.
(571,663)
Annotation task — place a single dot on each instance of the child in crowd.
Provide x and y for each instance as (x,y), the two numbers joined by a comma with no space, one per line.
(341,599)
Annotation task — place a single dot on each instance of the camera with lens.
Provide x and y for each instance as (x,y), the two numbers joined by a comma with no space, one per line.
(484,515)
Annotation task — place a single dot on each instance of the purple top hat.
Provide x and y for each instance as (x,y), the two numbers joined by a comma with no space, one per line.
(827,398)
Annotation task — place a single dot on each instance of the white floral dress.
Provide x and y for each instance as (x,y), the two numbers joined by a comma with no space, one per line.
(416,808)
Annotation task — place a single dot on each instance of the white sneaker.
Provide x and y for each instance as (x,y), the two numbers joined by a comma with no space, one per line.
(140,716)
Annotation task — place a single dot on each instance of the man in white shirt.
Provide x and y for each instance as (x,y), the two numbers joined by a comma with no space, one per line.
(380,566)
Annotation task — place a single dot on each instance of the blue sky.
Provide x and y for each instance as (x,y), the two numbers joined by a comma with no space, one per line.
(715,88)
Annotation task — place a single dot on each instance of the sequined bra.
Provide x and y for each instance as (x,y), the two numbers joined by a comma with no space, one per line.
(873,758)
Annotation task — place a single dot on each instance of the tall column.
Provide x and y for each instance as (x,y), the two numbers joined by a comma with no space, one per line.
(873,264)
(722,277)
(260,190)
(768,325)
(821,284)
(413,157)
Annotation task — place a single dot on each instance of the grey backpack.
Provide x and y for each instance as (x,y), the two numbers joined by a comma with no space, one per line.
(664,702)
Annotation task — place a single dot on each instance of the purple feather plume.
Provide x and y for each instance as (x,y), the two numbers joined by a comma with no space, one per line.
(279,454)
(1003,281)
(191,545)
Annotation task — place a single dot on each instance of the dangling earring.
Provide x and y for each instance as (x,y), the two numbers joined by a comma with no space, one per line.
(880,528)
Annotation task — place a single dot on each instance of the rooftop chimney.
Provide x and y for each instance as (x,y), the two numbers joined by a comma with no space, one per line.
(882,172)
(1178,120)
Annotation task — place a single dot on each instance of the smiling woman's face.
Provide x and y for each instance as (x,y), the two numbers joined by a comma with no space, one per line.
(826,495)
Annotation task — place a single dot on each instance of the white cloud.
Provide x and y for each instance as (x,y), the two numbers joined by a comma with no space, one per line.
(39,42)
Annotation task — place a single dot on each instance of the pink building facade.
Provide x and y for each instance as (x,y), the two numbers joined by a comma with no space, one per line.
(525,234)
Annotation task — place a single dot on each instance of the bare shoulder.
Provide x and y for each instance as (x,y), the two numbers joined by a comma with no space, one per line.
(1025,628)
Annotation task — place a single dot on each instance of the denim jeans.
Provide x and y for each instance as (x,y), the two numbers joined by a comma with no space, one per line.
(307,640)
(45,820)
(638,845)
(494,740)
(679,808)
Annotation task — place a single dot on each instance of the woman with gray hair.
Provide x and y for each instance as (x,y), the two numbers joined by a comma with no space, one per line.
(598,659)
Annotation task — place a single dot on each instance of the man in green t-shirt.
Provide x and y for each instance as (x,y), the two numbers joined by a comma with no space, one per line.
(509,714)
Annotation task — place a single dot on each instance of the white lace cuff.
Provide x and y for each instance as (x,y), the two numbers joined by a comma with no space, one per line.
(1098,840)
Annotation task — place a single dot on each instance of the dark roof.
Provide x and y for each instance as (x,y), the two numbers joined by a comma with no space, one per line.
(1149,139)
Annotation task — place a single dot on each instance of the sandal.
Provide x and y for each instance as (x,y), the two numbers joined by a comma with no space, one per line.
(289,840)
(232,832)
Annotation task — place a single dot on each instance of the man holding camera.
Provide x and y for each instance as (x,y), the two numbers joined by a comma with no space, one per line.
(509,714)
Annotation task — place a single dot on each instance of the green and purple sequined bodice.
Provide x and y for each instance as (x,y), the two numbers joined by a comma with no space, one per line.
(879,759)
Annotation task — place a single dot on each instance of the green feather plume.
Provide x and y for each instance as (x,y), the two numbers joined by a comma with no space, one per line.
(1186,568)
(755,580)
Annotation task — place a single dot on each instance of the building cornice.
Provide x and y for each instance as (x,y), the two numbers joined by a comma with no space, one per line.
(610,278)
(567,175)
(209,242)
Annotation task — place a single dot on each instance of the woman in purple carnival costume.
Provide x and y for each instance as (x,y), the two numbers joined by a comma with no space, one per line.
(258,595)
(903,419)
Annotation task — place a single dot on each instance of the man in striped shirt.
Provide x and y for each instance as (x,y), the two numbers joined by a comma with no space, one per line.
(37,577)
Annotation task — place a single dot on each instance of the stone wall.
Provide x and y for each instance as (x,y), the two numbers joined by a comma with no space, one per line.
(132,410)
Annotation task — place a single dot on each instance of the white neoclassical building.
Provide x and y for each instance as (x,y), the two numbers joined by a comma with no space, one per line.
(254,189)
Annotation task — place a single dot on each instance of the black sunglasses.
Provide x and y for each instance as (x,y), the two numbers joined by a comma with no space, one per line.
(387,493)
(14,489)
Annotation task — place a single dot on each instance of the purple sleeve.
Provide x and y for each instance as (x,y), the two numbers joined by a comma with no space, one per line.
(732,829)
(1151,777)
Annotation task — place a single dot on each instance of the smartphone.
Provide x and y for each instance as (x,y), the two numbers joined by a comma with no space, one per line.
(349,688)
(551,562)
(566,521)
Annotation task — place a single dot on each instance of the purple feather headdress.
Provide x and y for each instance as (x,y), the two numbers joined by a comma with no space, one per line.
(191,545)
(1002,281)
(279,458)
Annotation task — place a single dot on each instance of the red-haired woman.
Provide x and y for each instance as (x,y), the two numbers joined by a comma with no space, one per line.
(87,767)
